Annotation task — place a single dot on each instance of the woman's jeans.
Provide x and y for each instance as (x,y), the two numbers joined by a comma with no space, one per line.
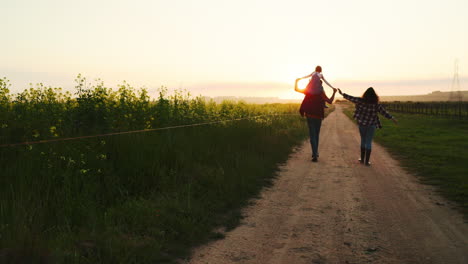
(314,131)
(367,133)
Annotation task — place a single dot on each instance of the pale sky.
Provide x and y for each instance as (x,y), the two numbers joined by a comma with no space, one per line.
(240,48)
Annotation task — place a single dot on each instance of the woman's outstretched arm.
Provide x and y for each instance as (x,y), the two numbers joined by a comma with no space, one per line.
(353,99)
(384,112)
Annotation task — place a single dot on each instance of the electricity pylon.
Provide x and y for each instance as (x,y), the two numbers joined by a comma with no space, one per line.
(455,93)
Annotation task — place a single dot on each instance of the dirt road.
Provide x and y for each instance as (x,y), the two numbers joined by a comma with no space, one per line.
(338,211)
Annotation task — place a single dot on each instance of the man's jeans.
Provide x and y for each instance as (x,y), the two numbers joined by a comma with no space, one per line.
(367,133)
(314,132)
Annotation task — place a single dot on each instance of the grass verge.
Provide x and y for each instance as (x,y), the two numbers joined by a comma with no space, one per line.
(434,148)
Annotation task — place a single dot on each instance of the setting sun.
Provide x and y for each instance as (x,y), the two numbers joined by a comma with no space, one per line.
(301,85)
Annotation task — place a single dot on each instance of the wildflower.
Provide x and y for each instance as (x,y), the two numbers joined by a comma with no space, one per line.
(101,156)
(36,133)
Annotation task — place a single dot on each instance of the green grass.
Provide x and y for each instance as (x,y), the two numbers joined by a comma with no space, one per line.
(434,148)
(136,198)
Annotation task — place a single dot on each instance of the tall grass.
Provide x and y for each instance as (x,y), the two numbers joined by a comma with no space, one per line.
(134,198)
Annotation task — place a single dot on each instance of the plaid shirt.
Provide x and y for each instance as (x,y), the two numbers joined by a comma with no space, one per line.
(366,114)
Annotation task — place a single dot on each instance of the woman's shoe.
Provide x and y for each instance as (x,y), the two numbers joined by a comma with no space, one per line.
(363,153)
(368,152)
(314,159)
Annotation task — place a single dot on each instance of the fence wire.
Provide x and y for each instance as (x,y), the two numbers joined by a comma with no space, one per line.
(136,131)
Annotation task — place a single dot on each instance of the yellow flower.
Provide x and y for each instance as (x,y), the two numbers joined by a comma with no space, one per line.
(36,133)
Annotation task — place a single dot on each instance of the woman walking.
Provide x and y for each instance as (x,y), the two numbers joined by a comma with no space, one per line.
(312,107)
(366,111)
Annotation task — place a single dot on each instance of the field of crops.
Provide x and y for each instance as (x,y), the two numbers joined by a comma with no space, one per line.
(130,198)
(443,109)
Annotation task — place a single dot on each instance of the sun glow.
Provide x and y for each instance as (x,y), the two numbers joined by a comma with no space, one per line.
(301,85)
(289,73)
(268,46)
(292,94)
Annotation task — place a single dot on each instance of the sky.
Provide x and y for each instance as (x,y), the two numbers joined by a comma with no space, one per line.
(236,48)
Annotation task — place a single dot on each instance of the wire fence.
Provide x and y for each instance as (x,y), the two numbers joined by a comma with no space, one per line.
(137,131)
(442,109)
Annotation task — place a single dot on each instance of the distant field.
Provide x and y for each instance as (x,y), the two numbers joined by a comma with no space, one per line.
(434,148)
(436,96)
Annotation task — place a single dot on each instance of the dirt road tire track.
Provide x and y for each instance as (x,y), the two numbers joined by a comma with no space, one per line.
(338,211)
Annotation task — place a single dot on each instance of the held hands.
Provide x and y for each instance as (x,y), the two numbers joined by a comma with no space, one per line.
(339,90)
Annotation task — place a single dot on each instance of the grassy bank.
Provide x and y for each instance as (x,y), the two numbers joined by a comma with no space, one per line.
(434,148)
(136,198)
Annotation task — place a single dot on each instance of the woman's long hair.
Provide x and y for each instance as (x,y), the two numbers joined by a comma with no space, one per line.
(370,97)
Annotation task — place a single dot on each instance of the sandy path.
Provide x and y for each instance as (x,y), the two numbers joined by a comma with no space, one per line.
(338,211)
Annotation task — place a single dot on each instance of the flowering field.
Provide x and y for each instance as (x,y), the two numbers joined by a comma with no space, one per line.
(130,198)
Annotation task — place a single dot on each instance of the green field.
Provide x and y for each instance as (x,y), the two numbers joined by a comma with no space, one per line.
(434,148)
(133,198)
